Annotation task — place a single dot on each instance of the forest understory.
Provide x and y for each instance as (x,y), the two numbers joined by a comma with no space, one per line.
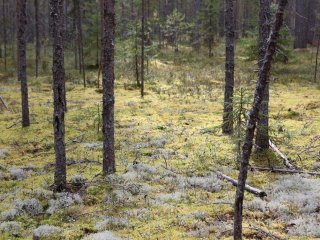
(168,146)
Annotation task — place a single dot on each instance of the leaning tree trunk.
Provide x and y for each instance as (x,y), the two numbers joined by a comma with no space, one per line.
(36,8)
(253,116)
(108,50)
(58,72)
(262,136)
(142,46)
(22,65)
(4,29)
(227,126)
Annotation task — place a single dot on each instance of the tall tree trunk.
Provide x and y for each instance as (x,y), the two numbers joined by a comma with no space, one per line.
(196,31)
(101,3)
(301,29)
(4,29)
(58,72)
(317,56)
(108,49)
(80,39)
(142,46)
(22,65)
(36,8)
(253,116)
(221,17)
(262,136)
(229,68)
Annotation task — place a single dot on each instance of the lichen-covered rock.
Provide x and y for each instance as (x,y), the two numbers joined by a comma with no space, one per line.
(106,235)
(46,231)
(12,228)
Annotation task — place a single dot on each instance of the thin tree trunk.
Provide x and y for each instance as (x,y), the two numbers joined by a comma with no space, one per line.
(253,116)
(36,7)
(80,39)
(22,65)
(108,49)
(229,68)
(4,29)
(58,72)
(262,136)
(317,59)
(142,46)
(101,3)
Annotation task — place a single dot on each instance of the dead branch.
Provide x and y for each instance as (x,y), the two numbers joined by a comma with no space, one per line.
(72,162)
(278,170)
(286,162)
(248,188)
(4,104)
(264,232)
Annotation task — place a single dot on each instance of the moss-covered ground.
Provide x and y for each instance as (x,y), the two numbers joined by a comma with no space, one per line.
(173,133)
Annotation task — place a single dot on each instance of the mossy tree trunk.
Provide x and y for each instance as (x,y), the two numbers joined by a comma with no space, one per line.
(108,48)
(57,20)
(253,116)
(22,64)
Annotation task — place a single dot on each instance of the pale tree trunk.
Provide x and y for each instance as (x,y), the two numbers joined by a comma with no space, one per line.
(253,116)
(227,126)
(36,8)
(22,65)
(108,49)
(58,73)
(262,136)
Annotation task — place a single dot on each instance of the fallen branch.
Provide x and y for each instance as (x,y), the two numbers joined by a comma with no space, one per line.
(248,188)
(72,162)
(278,170)
(14,124)
(264,232)
(286,162)
(4,104)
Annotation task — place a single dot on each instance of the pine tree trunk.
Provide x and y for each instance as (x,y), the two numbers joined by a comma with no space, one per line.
(229,67)
(4,29)
(80,39)
(142,46)
(108,49)
(22,65)
(58,72)
(36,7)
(253,116)
(262,136)
(301,30)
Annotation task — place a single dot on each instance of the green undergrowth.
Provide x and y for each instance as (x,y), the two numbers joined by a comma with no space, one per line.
(166,147)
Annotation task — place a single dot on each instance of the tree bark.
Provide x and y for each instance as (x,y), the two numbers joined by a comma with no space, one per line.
(229,67)
(262,136)
(80,39)
(57,19)
(36,8)
(4,29)
(142,46)
(108,49)
(22,65)
(253,116)
(301,23)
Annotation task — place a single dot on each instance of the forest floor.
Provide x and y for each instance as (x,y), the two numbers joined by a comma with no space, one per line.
(166,147)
